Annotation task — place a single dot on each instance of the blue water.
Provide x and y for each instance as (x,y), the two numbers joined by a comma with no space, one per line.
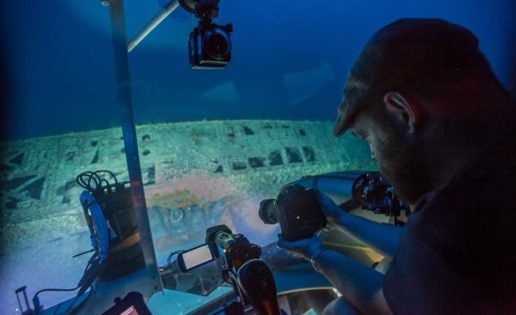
(59,71)
(289,61)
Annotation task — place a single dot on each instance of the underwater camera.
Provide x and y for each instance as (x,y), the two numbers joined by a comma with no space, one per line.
(209,46)
(234,249)
(251,278)
(299,213)
(296,209)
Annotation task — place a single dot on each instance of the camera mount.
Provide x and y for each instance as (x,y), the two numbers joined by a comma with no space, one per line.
(204,10)
(249,276)
(209,46)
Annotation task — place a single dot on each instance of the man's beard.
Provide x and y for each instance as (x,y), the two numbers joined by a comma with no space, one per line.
(404,167)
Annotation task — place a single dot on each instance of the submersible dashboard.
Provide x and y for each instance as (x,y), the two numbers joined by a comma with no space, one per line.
(260,280)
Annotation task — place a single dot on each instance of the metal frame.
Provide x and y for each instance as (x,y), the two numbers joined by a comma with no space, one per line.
(123,80)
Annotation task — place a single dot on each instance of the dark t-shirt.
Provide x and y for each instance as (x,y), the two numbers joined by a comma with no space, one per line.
(457,254)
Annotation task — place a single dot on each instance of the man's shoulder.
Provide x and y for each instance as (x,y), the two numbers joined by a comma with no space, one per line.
(460,240)
(476,209)
(487,179)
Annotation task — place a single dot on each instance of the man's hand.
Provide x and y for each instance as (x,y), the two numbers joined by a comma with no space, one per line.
(305,247)
(331,211)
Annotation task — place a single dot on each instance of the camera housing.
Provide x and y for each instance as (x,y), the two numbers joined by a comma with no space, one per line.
(209,46)
(297,210)
(234,249)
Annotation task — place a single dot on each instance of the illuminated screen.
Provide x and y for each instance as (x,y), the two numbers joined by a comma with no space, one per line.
(130,311)
(197,256)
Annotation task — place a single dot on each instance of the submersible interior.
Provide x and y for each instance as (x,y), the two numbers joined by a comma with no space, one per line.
(112,85)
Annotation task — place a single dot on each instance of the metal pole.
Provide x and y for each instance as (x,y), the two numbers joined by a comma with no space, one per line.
(130,138)
(169,8)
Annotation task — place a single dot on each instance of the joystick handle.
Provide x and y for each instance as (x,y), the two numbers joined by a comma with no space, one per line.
(257,284)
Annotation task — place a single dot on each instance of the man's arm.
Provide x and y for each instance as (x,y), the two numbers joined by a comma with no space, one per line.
(360,286)
(382,237)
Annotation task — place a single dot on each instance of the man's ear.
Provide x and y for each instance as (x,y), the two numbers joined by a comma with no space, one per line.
(408,113)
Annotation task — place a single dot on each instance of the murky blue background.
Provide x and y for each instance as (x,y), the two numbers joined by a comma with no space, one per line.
(290,59)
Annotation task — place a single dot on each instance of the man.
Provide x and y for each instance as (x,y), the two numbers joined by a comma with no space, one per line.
(442,130)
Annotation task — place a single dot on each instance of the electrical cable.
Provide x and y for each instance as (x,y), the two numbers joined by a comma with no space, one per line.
(75,309)
(71,309)
(35,298)
(92,182)
(99,223)
(55,290)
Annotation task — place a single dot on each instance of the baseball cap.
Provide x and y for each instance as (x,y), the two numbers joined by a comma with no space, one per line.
(410,54)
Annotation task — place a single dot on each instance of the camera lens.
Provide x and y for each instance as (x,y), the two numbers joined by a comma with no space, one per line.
(217,44)
(268,211)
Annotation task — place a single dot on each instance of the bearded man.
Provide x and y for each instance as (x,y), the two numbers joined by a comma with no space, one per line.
(443,132)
